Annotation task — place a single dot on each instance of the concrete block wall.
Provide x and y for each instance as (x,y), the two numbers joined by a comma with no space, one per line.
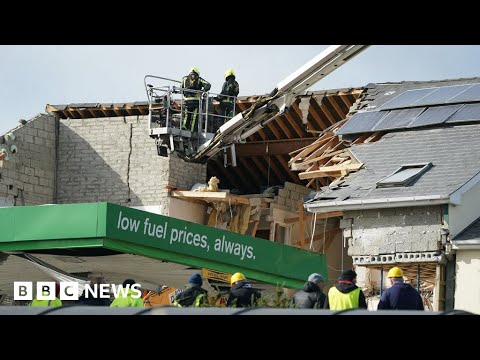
(390,231)
(184,175)
(114,160)
(27,178)
(288,196)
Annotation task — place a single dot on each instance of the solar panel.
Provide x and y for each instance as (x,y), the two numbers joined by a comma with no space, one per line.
(471,94)
(406,99)
(361,122)
(470,112)
(441,95)
(435,115)
(398,119)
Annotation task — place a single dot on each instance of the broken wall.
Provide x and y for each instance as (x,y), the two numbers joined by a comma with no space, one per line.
(114,159)
(390,231)
(27,178)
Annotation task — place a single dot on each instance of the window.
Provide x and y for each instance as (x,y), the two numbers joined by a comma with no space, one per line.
(405,175)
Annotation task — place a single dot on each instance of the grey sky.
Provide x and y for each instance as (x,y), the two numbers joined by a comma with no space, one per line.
(33,76)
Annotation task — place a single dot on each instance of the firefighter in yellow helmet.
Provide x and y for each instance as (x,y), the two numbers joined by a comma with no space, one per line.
(230,90)
(242,294)
(399,296)
(192,99)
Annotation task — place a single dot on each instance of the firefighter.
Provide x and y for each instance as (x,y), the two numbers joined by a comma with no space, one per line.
(194,295)
(345,294)
(399,296)
(192,81)
(227,103)
(241,293)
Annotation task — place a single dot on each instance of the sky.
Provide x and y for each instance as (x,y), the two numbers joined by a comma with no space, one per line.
(32,76)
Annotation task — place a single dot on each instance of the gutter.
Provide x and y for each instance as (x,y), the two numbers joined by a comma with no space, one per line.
(381,203)
(472,244)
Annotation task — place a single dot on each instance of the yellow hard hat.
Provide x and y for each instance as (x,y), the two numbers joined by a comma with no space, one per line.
(195,70)
(228,73)
(236,277)
(395,272)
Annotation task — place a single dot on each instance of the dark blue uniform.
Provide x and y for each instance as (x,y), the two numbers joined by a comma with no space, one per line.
(401,296)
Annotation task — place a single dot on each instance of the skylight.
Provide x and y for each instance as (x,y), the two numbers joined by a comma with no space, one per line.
(405,175)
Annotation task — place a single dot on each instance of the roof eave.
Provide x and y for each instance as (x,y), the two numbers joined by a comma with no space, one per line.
(380,203)
(471,244)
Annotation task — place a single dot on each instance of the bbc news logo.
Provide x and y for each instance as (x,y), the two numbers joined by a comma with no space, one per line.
(45,290)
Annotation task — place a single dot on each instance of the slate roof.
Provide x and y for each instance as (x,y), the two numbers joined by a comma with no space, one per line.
(376,95)
(472,232)
(454,152)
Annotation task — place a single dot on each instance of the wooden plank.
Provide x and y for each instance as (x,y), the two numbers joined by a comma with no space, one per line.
(326,171)
(294,124)
(285,166)
(346,101)
(318,119)
(255,227)
(328,114)
(361,138)
(319,237)
(324,156)
(297,111)
(301,229)
(262,134)
(310,215)
(310,148)
(328,146)
(274,130)
(320,138)
(275,147)
(337,107)
(214,196)
(284,127)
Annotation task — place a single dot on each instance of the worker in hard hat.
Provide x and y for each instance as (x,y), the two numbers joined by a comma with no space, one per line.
(51,303)
(230,90)
(400,296)
(242,294)
(194,294)
(126,298)
(192,99)
(311,296)
(345,294)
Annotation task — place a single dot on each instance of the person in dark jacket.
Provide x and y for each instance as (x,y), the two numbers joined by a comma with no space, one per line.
(311,296)
(345,294)
(194,295)
(192,99)
(242,294)
(230,90)
(400,296)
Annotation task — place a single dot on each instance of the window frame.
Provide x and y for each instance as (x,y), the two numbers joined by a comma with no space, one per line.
(423,168)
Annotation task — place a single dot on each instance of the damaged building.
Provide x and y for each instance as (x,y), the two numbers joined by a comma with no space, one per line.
(373,176)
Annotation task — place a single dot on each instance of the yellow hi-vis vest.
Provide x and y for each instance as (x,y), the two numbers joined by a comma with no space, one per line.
(340,301)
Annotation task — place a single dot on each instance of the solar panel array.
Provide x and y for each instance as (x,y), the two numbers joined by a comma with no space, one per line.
(361,122)
(413,108)
(435,115)
(470,112)
(398,119)
(434,96)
